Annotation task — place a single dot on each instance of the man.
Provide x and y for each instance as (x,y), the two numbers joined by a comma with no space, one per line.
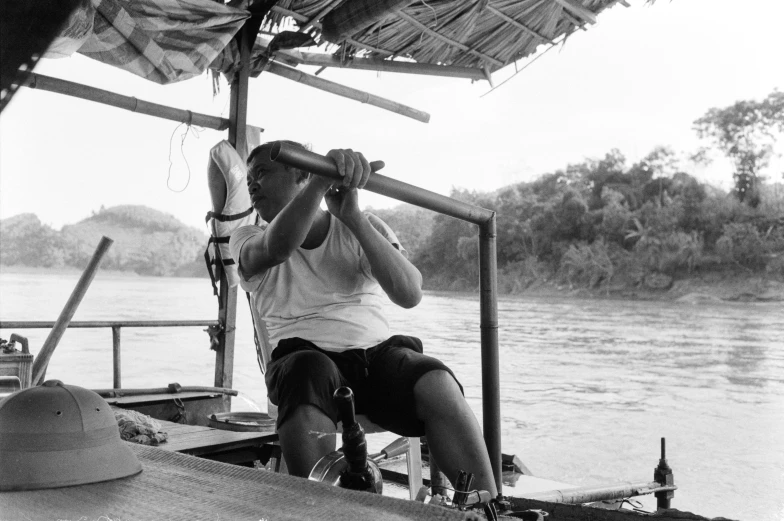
(318,279)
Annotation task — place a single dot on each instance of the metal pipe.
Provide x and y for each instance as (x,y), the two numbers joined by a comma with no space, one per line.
(488,309)
(116,359)
(8,324)
(119,393)
(45,354)
(306,160)
(491,387)
(77,90)
(580,495)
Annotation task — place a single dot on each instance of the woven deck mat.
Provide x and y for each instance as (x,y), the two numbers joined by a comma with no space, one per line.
(175,486)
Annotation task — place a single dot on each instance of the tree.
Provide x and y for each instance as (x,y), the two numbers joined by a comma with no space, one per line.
(746,132)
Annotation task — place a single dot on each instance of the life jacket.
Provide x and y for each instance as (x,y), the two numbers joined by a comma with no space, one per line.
(237,211)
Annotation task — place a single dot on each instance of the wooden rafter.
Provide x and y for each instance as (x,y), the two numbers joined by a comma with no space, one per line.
(517,24)
(321,14)
(375,64)
(347,92)
(578,10)
(413,21)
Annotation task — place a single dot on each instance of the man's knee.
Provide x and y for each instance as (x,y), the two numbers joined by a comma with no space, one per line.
(437,387)
(313,367)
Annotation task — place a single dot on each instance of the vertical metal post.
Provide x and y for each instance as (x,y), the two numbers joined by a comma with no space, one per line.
(227,313)
(488,309)
(116,357)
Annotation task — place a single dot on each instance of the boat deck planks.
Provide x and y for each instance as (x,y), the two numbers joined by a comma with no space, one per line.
(198,440)
(176,486)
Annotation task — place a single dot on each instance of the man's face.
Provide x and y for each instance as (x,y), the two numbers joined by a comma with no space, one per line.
(270,186)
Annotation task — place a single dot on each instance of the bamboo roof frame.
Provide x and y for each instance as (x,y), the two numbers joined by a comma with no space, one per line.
(479,35)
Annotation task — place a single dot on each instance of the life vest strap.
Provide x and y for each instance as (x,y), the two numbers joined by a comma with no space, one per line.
(227,218)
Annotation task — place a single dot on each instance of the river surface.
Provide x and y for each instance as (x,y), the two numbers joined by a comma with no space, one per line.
(588,387)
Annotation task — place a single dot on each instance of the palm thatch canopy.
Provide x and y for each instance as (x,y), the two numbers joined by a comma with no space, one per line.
(167,41)
(478,35)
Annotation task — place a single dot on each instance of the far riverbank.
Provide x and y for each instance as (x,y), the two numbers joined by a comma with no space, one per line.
(697,287)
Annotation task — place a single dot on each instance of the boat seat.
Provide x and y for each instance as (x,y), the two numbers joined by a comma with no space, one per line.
(413,455)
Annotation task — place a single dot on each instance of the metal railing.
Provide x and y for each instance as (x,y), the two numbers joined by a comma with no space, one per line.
(116,326)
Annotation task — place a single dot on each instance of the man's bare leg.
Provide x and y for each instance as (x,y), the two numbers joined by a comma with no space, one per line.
(452,431)
(303,439)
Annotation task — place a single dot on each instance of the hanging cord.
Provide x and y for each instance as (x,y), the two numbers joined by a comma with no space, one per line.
(435,15)
(435,22)
(189,129)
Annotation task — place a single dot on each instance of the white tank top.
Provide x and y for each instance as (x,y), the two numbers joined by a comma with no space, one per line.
(326,295)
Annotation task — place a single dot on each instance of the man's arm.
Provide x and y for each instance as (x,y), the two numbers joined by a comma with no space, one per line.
(285,233)
(399,279)
(290,227)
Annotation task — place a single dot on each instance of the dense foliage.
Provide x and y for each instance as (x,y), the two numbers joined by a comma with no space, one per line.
(146,241)
(603,222)
(746,132)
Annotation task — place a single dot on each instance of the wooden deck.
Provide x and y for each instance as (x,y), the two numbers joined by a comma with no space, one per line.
(218,444)
(198,440)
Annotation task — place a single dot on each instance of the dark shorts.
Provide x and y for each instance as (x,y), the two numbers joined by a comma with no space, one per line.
(381,377)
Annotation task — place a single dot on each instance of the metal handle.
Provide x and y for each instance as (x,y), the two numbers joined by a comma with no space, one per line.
(396,448)
(22,340)
(344,401)
(311,162)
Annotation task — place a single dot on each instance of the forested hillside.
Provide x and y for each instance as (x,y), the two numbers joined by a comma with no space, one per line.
(146,241)
(601,223)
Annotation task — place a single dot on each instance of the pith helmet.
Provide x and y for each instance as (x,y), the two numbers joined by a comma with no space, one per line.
(58,435)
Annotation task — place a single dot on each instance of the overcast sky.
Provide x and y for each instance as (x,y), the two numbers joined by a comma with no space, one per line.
(635,80)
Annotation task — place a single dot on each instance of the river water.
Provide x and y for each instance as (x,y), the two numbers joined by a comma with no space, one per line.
(588,386)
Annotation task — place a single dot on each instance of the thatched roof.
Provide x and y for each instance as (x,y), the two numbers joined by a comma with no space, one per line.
(481,35)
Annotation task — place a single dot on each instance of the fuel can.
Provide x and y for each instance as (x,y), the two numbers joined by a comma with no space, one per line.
(14,362)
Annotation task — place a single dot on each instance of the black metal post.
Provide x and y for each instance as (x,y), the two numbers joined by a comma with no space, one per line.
(488,309)
(116,357)
(663,475)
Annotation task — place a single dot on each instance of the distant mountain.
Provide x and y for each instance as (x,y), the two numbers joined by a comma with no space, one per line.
(146,241)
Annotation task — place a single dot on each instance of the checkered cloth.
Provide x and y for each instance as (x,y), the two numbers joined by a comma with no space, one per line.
(164,41)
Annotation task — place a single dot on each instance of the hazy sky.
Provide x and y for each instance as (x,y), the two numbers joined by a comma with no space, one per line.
(637,79)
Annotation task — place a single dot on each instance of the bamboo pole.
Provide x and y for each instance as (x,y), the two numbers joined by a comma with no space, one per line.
(517,24)
(347,92)
(227,294)
(374,64)
(77,90)
(577,9)
(45,354)
(576,496)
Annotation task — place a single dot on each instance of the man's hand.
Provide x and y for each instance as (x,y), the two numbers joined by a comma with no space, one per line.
(352,167)
(341,197)
(343,203)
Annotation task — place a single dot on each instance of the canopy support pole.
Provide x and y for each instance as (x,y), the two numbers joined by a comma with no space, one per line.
(488,312)
(227,296)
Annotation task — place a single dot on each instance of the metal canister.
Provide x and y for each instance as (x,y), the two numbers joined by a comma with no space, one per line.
(16,363)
